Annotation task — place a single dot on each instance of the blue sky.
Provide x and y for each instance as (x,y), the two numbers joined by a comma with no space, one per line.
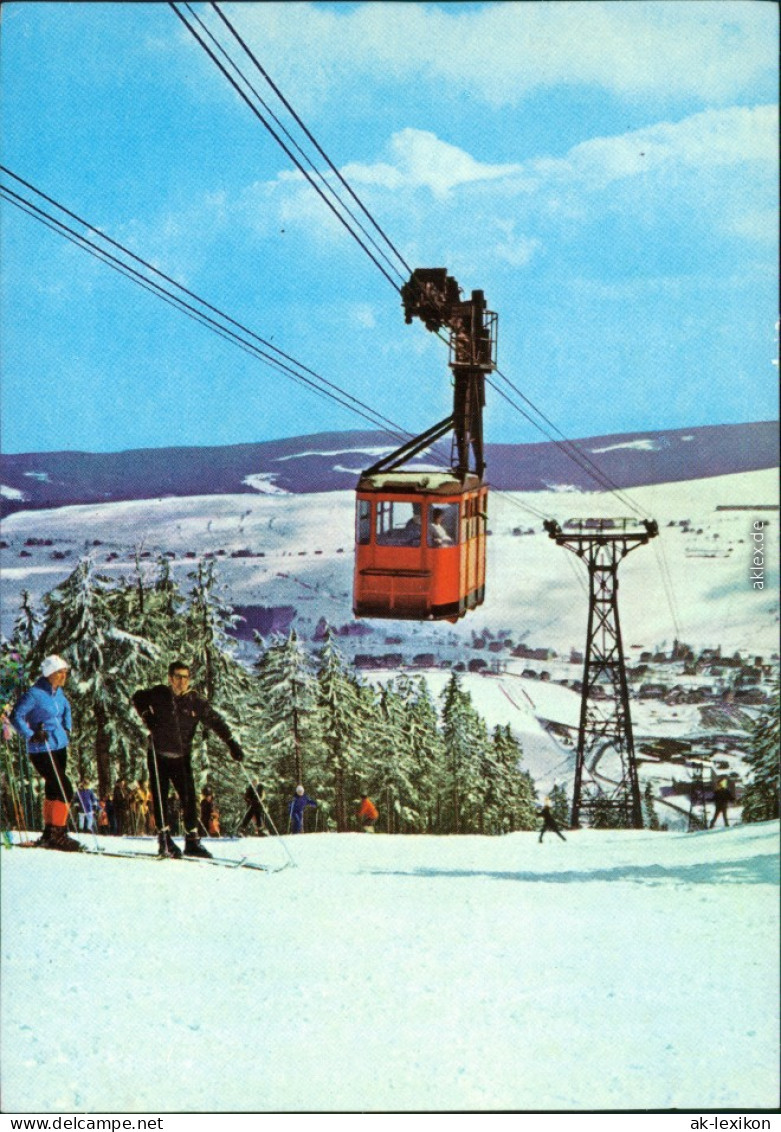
(605,172)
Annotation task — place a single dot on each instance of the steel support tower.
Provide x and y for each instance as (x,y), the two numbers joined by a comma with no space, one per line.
(605,719)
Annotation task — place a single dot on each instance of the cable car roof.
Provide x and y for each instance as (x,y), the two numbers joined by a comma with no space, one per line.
(409,480)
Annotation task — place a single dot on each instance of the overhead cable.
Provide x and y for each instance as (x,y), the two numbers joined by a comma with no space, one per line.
(570,449)
(281,143)
(311,137)
(227,328)
(304,157)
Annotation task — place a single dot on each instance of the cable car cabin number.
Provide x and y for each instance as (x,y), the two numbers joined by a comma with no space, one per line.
(420,545)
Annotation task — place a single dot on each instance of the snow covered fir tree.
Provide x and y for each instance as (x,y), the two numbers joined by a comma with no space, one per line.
(761,797)
(431,768)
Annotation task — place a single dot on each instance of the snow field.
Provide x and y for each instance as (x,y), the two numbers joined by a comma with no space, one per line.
(532,586)
(616,970)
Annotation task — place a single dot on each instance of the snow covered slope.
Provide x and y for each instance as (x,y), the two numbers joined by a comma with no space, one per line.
(294,552)
(618,970)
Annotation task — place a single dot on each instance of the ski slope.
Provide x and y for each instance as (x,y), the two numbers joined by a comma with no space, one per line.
(618,970)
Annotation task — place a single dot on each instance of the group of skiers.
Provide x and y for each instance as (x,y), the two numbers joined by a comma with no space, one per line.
(171,713)
(127,810)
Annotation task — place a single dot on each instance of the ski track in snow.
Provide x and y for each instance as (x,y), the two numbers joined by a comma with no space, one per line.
(619,970)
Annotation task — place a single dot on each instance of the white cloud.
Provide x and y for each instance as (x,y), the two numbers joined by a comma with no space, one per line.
(362,315)
(725,137)
(422,160)
(418,160)
(712,50)
(711,138)
(423,178)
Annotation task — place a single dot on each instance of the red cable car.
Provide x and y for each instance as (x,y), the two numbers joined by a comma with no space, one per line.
(420,545)
(420,535)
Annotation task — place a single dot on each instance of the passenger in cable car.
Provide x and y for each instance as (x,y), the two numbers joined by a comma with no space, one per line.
(437,535)
(412,527)
(398,524)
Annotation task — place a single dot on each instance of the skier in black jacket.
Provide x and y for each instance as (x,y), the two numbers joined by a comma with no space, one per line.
(254,796)
(722,796)
(548,821)
(172,712)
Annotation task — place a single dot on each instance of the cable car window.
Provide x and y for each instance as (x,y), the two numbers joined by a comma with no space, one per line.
(364,531)
(398,523)
(442,524)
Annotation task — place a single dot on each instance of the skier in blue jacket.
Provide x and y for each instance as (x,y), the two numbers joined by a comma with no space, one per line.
(297,807)
(88,808)
(43,718)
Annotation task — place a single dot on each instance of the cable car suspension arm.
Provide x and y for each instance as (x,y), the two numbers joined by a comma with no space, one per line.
(433,296)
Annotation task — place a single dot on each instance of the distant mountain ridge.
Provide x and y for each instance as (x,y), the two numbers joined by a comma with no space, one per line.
(332,461)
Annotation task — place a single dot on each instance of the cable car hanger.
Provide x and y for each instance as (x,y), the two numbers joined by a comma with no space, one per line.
(433,296)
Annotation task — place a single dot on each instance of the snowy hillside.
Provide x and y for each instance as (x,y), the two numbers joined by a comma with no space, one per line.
(293,553)
(615,971)
(332,461)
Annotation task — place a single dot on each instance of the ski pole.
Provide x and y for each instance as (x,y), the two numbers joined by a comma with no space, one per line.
(15,794)
(17,815)
(14,789)
(269,819)
(281,840)
(157,793)
(245,772)
(61,784)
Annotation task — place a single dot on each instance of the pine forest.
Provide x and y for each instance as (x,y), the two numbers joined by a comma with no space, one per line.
(300,717)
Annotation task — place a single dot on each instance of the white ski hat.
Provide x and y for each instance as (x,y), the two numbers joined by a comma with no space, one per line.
(53,664)
(299,790)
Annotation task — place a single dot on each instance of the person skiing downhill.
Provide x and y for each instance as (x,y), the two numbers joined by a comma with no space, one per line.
(172,713)
(297,808)
(548,821)
(43,718)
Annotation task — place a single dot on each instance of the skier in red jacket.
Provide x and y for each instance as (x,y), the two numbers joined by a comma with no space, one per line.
(367,813)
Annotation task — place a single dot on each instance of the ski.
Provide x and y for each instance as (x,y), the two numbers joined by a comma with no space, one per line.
(129,853)
(153,837)
(224,862)
(229,862)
